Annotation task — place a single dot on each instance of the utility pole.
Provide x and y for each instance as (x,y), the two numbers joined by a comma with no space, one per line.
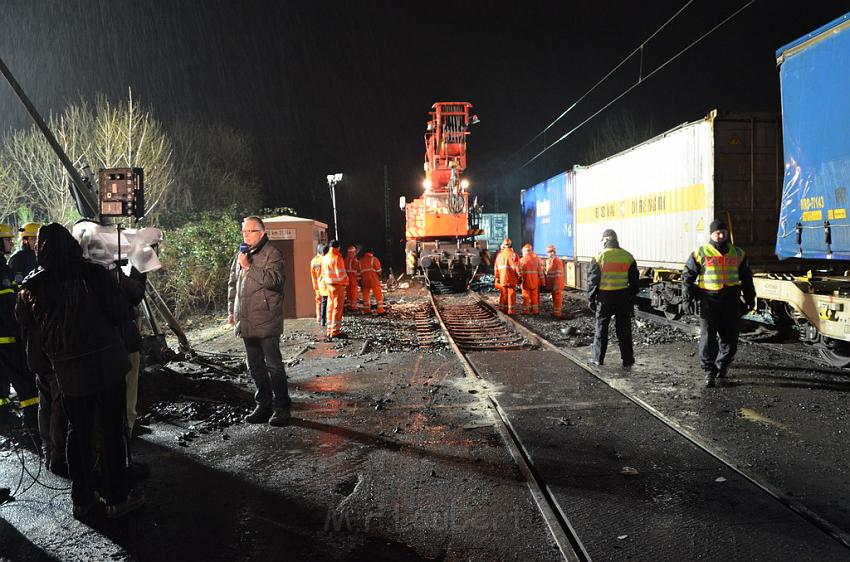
(388,252)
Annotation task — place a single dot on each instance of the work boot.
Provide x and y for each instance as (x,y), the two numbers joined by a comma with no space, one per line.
(280,417)
(628,362)
(709,379)
(722,372)
(261,414)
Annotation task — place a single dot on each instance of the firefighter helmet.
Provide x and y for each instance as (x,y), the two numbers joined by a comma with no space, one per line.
(551,248)
(29,229)
(527,248)
(6,231)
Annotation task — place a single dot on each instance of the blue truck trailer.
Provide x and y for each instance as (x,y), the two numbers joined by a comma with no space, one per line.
(814,76)
(814,228)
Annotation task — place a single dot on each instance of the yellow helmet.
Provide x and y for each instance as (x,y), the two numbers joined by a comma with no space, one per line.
(6,231)
(29,229)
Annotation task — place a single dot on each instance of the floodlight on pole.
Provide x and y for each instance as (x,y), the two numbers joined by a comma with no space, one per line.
(334,179)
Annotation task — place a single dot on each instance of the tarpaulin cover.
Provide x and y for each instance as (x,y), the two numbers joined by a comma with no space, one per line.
(814,77)
(547,215)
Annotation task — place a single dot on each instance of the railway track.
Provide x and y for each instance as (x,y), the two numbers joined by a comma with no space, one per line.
(471,325)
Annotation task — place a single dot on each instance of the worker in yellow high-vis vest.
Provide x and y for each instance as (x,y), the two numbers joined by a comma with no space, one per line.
(612,283)
(13,368)
(717,276)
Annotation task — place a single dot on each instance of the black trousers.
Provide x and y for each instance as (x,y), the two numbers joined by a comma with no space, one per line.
(52,421)
(324,310)
(266,368)
(619,305)
(102,413)
(13,372)
(719,319)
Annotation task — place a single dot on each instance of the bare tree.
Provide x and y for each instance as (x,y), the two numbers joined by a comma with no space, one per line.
(107,135)
(615,133)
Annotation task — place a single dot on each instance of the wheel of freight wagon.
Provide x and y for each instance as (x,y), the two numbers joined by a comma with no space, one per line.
(837,355)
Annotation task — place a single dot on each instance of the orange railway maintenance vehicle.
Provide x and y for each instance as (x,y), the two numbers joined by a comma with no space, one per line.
(440,226)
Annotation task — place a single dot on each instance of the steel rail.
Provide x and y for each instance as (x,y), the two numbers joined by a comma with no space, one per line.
(812,517)
(559,526)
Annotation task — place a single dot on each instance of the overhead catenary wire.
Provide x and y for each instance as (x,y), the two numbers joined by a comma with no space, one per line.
(572,106)
(638,82)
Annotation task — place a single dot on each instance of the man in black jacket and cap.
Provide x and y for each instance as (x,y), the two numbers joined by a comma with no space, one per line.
(717,276)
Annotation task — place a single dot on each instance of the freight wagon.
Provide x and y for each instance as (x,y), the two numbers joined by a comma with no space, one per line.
(661,195)
(814,77)
(789,214)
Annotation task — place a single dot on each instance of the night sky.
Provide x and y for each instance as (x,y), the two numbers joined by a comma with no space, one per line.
(323,87)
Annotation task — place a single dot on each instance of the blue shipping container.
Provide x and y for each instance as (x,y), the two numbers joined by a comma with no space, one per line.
(547,215)
(814,76)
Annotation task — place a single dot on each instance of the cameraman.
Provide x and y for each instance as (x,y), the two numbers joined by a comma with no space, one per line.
(72,310)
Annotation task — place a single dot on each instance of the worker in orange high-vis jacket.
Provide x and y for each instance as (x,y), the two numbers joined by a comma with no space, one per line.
(318,286)
(555,280)
(352,267)
(532,274)
(336,280)
(370,275)
(506,276)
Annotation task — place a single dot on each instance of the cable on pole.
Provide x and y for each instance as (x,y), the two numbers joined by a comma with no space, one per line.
(639,82)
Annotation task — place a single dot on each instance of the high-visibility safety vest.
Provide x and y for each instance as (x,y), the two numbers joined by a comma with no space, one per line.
(506,269)
(333,269)
(718,270)
(316,275)
(532,272)
(554,272)
(614,264)
(370,271)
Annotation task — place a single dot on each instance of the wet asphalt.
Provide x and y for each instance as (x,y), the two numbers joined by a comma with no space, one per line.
(393,454)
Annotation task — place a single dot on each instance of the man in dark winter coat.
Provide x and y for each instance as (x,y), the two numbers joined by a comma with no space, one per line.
(71,311)
(717,275)
(612,283)
(255,309)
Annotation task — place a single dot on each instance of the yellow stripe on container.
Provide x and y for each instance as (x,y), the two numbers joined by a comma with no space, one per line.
(690,198)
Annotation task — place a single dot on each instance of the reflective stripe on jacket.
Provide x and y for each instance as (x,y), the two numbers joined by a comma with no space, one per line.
(532,271)
(352,267)
(554,272)
(614,263)
(506,268)
(333,268)
(718,270)
(316,275)
(370,271)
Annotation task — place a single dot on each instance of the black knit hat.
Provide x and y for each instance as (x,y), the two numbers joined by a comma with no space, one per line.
(717,224)
(609,235)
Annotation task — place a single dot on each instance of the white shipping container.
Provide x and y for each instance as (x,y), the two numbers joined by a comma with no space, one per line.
(658,196)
